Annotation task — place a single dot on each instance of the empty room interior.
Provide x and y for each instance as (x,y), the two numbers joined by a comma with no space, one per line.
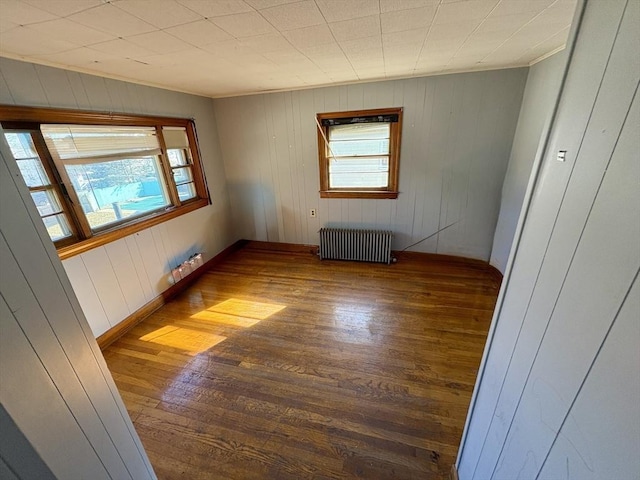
(320,239)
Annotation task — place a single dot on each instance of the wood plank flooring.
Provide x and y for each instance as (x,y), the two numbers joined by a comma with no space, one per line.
(276,365)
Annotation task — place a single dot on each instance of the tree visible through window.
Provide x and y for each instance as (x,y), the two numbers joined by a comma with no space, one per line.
(359,153)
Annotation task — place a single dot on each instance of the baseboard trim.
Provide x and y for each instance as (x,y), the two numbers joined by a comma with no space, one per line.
(139,315)
(453,475)
(281,247)
(114,333)
(181,286)
(400,255)
(437,257)
(496,274)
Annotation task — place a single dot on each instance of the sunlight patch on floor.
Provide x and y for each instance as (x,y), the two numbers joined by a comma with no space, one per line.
(226,319)
(241,313)
(191,341)
(247,308)
(233,312)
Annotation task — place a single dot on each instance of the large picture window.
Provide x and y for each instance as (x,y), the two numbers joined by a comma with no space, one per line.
(359,153)
(95,178)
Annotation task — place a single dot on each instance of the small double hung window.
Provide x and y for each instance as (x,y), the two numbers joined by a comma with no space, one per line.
(359,153)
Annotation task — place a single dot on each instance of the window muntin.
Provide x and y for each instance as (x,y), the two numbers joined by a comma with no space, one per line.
(359,153)
(177,143)
(115,171)
(42,189)
(113,174)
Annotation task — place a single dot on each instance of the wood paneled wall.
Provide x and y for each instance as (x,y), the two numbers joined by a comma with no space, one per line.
(113,281)
(456,141)
(557,396)
(540,95)
(54,383)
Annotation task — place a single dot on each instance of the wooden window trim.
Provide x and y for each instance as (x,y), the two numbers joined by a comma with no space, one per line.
(63,193)
(56,184)
(391,191)
(166,168)
(108,236)
(29,119)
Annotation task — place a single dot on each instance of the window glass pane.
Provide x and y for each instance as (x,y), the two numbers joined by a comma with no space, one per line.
(357,172)
(33,172)
(72,142)
(23,150)
(34,175)
(46,202)
(360,180)
(358,164)
(182,175)
(186,191)
(112,191)
(359,147)
(57,227)
(365,131)
(177,157)
(359,139)
(21,145)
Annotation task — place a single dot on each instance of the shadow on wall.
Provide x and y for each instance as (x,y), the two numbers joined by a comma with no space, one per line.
(254,214)
(173,262)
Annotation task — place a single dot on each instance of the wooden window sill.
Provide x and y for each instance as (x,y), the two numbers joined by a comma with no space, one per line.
(122,231)
(358,194)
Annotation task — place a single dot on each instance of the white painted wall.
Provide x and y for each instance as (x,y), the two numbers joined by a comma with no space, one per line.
(54,383)
(557,394)
(113,281)
(596,442)
(456,140)
(543,82)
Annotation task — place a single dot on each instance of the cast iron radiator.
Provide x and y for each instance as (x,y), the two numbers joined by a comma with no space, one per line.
(350,244)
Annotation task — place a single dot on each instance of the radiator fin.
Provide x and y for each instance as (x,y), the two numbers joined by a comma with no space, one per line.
(359,245)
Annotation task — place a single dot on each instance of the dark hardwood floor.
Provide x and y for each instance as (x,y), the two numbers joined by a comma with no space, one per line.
(277,365)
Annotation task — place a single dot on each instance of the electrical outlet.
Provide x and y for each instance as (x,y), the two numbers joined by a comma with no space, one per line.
(312,213)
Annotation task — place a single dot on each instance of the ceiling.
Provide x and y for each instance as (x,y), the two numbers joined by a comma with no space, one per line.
(222,48)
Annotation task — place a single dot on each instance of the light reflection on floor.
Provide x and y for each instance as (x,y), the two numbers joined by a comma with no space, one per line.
(355,323)
(234,312)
